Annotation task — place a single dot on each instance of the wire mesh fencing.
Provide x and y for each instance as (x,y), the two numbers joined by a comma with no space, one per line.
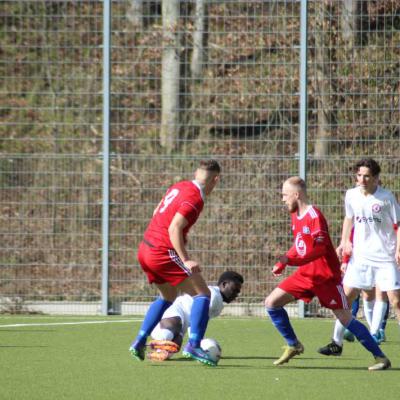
(189,80)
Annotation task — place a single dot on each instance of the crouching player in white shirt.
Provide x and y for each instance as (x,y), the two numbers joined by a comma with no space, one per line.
(168,334)
(375,251)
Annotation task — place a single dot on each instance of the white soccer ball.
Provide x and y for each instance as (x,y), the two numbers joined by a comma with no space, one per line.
(212,347)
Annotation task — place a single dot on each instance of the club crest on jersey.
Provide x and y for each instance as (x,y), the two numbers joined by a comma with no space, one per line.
(306,230)
(300,245)
(376,208)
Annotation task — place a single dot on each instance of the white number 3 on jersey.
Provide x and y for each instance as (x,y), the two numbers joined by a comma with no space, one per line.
(168,199)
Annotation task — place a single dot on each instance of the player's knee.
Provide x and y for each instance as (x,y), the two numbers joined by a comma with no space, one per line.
(395,303)
(269,302)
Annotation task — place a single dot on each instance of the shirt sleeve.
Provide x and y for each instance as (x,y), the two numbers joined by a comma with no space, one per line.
(216,302)
(189,210)
(395,210)
(347,206)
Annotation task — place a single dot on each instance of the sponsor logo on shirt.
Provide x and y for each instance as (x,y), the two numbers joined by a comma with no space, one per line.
(306,230)
(362,219)
(376,208)
(300,245)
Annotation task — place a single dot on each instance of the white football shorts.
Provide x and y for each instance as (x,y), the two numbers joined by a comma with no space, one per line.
(366,275)
(172,311)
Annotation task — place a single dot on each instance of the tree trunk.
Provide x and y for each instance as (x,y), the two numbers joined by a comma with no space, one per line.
(197,61)
(324,57)
(135,14)
(354,14)
(170,75)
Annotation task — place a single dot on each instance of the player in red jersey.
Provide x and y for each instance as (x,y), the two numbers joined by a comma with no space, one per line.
(164,258)
(318,275)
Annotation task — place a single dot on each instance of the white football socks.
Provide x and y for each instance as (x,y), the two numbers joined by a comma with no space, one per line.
(338,333)
(368,311)
(377,316)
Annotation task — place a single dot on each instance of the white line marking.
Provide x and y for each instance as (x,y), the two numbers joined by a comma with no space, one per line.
(70,323)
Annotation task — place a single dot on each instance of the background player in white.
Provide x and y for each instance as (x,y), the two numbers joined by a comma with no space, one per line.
(168,334)
(375,251)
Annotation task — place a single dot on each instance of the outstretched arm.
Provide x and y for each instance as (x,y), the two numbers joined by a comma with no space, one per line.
(175,230)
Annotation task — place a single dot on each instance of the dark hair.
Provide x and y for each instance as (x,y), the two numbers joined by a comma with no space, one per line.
(210,165)
(368,163)
(230,276)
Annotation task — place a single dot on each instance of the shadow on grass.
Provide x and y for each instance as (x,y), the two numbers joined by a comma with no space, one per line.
(27,330)
(249,358)
(17,346)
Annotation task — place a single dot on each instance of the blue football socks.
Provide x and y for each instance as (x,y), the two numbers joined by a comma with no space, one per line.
(198,319)
(280,319)
(385,317)
(152,318)
(361,332)
(355,306)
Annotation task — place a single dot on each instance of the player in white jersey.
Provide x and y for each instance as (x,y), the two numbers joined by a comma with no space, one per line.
(168,334)
(375,251)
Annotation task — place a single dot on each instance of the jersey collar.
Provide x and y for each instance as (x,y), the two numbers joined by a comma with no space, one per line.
(200,188)
(305,212)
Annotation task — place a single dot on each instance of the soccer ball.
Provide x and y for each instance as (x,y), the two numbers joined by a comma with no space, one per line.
(212,347)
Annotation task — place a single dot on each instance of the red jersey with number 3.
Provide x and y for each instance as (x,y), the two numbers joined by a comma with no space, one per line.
(185,198)
(309,229)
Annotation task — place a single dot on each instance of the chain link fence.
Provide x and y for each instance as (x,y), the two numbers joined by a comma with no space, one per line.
(189,80)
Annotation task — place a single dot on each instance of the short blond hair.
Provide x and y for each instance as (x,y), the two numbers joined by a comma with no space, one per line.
(297,182)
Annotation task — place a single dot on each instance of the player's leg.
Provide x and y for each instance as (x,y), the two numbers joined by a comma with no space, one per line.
(382,334)
(355,306)
(199,316)
(335,347)
(394,299)
(166,338)
(154,314)
(388,280)
(274,304)
(380,309)
(362,334)
(368,305)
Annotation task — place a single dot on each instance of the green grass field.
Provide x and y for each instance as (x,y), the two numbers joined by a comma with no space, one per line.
(91,361)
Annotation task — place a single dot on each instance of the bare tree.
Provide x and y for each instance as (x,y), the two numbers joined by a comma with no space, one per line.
(324,60)
(199,36)
(135,13)
(354,13)
(170,75)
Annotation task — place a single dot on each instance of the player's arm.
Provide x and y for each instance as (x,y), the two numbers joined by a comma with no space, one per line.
(175,231)
(284,261)
(398,244)
(318,250)
(345,243)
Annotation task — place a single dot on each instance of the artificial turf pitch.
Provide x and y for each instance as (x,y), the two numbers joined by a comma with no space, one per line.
(91,361)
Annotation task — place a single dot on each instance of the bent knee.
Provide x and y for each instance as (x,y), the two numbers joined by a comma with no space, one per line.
(269,302)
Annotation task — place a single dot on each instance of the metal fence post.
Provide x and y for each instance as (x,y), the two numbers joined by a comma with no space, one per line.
(303,106)
(106,155)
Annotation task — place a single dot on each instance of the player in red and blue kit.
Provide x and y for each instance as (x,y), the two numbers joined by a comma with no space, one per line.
(318,274)
(164,258)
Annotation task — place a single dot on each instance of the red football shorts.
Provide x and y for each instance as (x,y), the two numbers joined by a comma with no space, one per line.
(330,293)
(162,266)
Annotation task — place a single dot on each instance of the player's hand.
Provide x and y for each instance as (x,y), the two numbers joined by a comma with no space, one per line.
(193,265)
(278,269)
(339,251)
(283,259)
(397,256)
(343,268)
